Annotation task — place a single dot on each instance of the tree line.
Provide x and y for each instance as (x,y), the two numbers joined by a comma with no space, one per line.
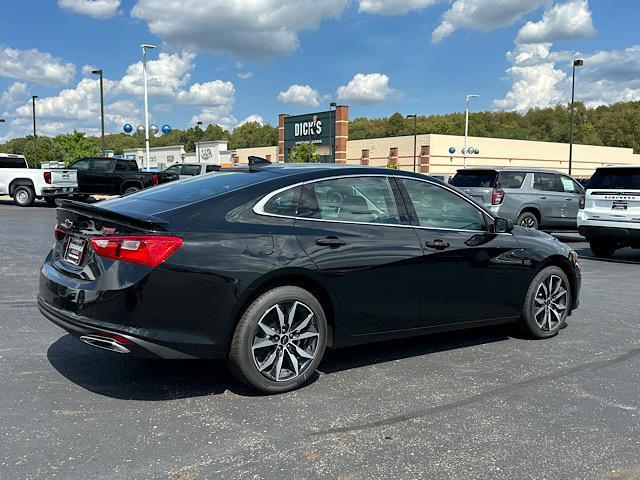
(616,125)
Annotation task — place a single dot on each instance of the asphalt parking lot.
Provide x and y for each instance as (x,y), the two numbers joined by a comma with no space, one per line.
(485,403)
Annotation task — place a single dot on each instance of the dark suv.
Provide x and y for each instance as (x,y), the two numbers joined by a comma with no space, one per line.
(533,198)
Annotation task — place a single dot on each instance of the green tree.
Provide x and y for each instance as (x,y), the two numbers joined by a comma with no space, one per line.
(304,152)
(396,125)
(47,150)
(76,145)
(253,134)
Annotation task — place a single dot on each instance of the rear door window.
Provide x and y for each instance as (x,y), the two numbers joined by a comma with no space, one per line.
(569,185)
(81,165)
(511,179)
(547,182)
(100,165)
(475,178)
(361,199)
(284,203)
(616,178)
(190,170)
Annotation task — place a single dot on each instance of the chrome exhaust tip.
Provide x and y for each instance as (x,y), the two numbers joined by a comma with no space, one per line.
(105,343)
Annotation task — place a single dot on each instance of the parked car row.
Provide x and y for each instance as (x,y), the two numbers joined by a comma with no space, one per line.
(295,258)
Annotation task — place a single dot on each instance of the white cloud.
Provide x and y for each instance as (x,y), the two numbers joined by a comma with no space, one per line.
(257,29)
(251,118)
(393,7)
(93,8)
(366,88)
(245,75)
(215,92)
(482,15)
(35,66)
(300,95)
(220,115)
(15,94)
(166,75)
(562,21)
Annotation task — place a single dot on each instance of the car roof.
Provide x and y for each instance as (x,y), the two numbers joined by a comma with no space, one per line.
(512,169)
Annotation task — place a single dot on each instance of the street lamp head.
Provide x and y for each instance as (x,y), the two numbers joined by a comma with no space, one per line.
(97,71)
(1,120)
(333,104)
(147,45)
(34,96)
(578,63)
(469,97)
(199,123)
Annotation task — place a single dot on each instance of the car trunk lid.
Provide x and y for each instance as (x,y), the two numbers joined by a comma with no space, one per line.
(478,184)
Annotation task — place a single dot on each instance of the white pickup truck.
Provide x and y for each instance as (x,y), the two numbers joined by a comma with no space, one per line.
(26,184)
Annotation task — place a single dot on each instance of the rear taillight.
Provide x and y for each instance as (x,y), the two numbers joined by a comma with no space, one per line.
(47,177)
(142,250)
(497,195)
(581,201)
(58,233)
(155,179)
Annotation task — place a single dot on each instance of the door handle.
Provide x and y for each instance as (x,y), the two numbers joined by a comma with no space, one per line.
(333,242)
(437,244)
(543,198)
(569,199)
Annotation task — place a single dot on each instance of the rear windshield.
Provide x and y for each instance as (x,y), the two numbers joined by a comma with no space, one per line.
(616,178)
(475,178)
(183,192)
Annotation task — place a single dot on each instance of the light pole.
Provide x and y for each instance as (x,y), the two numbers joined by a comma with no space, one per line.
(331,132)
(144,47)
(466,127)
(99,72)
(576,63)
(198,130)
(415,138)
(35,142)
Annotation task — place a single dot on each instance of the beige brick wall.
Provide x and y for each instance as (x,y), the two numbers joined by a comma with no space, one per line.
(379,149)
(264,152)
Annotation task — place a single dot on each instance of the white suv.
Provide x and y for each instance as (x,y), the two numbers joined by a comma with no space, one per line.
(609,210)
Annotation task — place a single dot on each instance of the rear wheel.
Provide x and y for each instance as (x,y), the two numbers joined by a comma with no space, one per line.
(529,220)
(131,189)
(547,303)
(24,196)
(602,248)
(279,341)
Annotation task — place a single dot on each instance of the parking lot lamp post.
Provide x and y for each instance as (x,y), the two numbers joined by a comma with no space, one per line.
(576,63)
(415,138)
(144,47)
(99,72)
(466,127)
(35,142)
(198,137)
(332,131)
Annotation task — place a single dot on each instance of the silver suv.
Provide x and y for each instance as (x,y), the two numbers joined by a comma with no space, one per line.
(533,198)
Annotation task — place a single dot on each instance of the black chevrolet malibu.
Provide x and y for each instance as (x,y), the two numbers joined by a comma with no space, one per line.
(267,266)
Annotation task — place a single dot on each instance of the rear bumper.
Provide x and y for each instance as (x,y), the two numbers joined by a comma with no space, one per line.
(47,191)
(622,235)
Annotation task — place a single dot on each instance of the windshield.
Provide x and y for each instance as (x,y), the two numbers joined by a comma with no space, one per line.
(474,178)
(616,178)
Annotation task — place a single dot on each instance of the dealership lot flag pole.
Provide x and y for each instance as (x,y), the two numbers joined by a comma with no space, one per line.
(466,127)
(576,63)
(146,101)
(35,142)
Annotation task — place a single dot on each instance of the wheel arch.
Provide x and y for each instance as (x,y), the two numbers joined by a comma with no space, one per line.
(130,183)
(531,209)
(564,265)
(20,182)
(310,281)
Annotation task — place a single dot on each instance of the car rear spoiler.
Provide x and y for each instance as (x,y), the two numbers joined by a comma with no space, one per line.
(147,221)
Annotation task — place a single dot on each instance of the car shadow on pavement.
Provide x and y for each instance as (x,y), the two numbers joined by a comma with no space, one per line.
(388,351)
(131,378)
(625,255)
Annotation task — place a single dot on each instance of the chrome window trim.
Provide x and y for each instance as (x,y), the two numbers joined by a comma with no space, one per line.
(258,208)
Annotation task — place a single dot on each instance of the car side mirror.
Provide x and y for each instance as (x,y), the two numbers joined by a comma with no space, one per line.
(502,225)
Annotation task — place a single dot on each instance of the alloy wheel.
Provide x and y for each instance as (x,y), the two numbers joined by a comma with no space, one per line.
(528,222)
(285,341)
(550,305)
(22,196)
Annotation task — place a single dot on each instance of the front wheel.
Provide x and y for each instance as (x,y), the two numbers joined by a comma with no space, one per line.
(547,303)
(602,248)
(24,196)
(279,341)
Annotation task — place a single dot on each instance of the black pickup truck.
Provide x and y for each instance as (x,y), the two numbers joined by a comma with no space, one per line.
(115,176)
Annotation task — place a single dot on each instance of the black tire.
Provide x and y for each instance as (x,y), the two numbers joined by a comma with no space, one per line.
(50,201)
(24,196)
(532,303)
(130,190)
(602,248)
(80,197)
(529,220)
(241,361)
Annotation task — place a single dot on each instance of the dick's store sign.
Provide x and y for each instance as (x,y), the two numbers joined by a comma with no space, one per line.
(316,128)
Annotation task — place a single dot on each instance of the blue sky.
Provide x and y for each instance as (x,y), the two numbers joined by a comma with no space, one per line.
(225,61)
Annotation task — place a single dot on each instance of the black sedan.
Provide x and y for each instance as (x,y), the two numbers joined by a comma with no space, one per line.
(267,266)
